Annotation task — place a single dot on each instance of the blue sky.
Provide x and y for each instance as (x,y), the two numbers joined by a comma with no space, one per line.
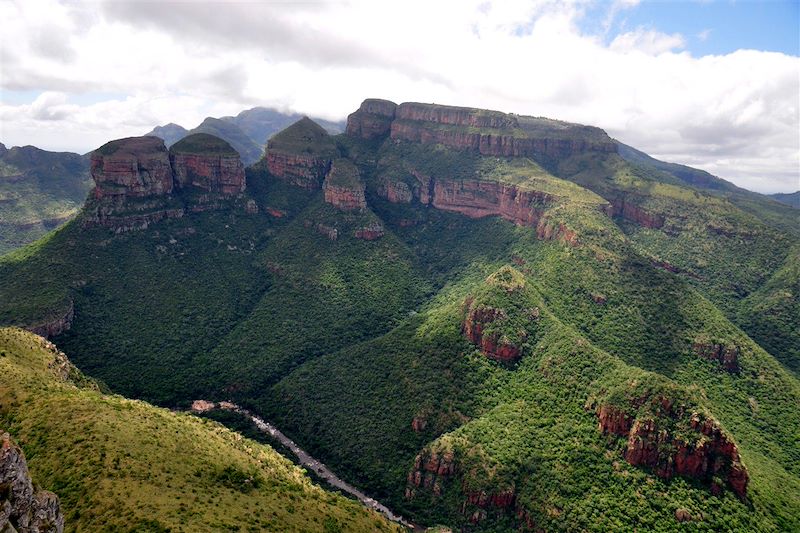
(715,85)
(710,27)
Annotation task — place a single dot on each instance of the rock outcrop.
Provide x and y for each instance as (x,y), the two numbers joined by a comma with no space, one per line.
(134,167)
(372,120)
(431,469)
(301,154)
(23,508)
(491,344)
(137,182)
(343,187)
(370,233)
(700,450)
(628,210)
(56,326)
(726,355)
(208,163)
(486,132)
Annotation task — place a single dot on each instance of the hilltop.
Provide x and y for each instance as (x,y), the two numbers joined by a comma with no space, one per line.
(486,320)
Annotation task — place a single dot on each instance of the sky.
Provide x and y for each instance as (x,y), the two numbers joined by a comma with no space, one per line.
(711,84)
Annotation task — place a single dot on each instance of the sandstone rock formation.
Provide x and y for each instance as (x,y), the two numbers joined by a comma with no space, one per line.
(702,450)
(372,120)
(207,162)
(23,508)
(343,187)
(55,326)
(486,132)
(492,345)
(726,355)
(137,182)
(134,167)
(628,210)
(431,469)
(301,154)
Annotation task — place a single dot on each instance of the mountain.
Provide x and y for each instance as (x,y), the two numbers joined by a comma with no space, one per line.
(39,190)
(485,320)
(123,465)
(170,133)
(791,199)
(247,132)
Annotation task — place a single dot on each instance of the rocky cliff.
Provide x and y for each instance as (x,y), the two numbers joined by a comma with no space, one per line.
(23,508)
(343,187)
(301,154)
(486,132)
(674,441)
(138,182)
(207,162)
(373,119)
(134,167)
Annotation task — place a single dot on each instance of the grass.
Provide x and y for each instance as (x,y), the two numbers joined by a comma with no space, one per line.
(202,143)
(120,464)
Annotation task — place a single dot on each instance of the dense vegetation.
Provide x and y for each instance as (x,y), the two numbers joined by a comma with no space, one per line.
(356,348)
(39,191)
(124,465)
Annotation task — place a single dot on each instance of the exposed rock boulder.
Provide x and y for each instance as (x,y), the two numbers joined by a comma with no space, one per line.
(727,355)
(343,187)
(207,162)
(372,120)
(673,441)
(23,508)
(134,167)
(301,154)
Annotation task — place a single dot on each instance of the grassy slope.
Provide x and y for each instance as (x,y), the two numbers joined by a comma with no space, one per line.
(124,465)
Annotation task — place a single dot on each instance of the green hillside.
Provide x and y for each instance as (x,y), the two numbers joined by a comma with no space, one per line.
(39,190)
(124,465)
(571,340)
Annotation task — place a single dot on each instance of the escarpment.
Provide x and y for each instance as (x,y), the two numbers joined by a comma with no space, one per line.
(23,507)
(675,440)
(727,355)
(486,132)
(301,154)
(138,182)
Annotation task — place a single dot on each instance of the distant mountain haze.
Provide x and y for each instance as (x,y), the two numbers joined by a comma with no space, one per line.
(247,132)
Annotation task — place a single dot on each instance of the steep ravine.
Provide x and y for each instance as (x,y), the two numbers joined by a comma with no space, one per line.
(319,468)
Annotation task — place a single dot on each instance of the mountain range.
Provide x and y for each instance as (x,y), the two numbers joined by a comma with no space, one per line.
(486,321)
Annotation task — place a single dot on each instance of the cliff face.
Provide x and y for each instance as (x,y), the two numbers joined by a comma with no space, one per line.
(726,355)
(301,154)
(305,171)
(431,469)
(135,167)
(372,120)
(22,507)
(213,173)
(702,450)
(486,132)
(343,187)
(56,326)
(630,211)
(136,179)
(491,344)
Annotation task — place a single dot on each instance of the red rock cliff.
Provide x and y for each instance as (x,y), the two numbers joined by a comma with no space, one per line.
(372,120)
(132,167)
(343,187)
(707,455)
(305,171)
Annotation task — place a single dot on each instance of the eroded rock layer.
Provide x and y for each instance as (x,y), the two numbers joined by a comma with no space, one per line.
(23,508)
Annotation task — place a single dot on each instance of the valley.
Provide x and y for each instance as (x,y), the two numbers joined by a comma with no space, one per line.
(483,320)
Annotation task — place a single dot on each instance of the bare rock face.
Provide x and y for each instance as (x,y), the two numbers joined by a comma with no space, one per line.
(301,154)
(495,133)
(396,191)
(491,344)
(630,211)
(726,355)
(55,326)
(343,187)
(431,469)
(135,167)
(372,120)
(23,508)
(207,162)
(702,451)
(370,233)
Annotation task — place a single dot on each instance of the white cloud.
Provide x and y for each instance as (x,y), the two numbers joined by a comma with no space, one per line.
(736,115)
